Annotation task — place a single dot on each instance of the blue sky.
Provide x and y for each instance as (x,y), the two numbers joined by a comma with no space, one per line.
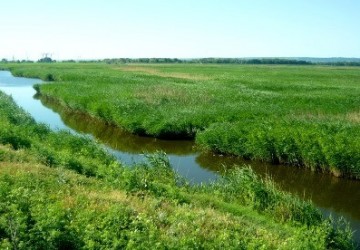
(92,29)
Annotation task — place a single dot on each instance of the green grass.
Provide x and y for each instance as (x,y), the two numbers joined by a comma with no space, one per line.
(299,115)
(59,191)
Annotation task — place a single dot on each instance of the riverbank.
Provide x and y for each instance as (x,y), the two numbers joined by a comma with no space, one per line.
(54,183)
(297,115)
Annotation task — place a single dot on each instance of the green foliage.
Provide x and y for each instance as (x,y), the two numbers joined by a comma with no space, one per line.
(114,207)
(278,61)
(325,147)
(56,209)
(303,116)
(46,59)
(49,78)
(297,115)
(339,232)
(243,186)
(20,131)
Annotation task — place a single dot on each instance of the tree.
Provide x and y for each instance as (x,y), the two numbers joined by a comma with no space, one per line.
(46,60)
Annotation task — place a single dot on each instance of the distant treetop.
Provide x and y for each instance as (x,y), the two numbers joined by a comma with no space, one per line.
(46,60)
(213,60)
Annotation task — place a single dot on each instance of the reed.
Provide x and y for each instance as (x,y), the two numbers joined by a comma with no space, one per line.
(60,191)
(297,115)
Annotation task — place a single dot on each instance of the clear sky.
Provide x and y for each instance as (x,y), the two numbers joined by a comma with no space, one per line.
(94,29)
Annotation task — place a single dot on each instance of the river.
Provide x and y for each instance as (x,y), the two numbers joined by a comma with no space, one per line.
(335,196)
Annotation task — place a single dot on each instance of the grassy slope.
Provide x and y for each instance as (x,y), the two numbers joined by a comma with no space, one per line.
(58,191)
(298,115)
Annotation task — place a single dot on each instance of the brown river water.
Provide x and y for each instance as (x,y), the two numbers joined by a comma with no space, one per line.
(335,196)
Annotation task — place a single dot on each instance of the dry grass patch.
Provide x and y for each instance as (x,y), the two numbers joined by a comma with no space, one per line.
(353,116)
(8,154)
(156,72)
(15,168)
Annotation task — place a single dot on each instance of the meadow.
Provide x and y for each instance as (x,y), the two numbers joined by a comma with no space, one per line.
(60,191)
(306,116)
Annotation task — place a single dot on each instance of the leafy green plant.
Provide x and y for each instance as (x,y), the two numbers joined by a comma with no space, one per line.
(296,115)
(89,200)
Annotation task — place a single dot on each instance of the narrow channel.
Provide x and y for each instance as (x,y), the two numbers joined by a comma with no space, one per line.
(335,196)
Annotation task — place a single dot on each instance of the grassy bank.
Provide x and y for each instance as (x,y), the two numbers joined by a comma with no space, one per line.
(59,191)
(298,115)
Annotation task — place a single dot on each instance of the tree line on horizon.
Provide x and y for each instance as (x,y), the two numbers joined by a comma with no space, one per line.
(211,60)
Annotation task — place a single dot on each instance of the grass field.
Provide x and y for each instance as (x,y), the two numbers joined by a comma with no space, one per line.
(58,191)
(297,115)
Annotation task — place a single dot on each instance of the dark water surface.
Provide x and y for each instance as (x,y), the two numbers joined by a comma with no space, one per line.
(339,197)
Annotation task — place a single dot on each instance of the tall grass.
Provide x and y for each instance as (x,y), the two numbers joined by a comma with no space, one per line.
(298,115)
(59,191)
(44,208)
(20,132)
(322,146)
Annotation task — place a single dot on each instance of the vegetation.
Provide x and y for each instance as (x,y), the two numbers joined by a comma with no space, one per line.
(298,115)
(275,60)
(46,59)
(58,191)
(278,61)
(209,60)
(337,61)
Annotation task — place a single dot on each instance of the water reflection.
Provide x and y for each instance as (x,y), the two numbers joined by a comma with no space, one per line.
(115,137)
(324,190)
(335,196)
(339,195)
(130,149)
